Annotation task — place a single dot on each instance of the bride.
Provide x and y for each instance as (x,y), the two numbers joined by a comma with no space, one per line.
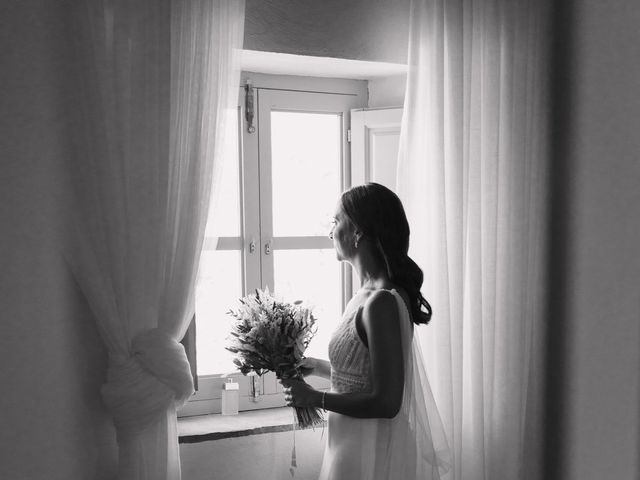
(382,422)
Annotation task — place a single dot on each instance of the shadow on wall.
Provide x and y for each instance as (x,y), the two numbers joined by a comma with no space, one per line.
(558,244)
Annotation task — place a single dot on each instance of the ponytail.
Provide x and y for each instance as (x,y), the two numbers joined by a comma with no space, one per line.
(403,271)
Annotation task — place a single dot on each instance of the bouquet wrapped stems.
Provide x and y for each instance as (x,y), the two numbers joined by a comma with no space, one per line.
(306,416)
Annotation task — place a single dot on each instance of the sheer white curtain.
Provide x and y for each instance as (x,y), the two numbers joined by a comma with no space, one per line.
(472,173)
(158,80)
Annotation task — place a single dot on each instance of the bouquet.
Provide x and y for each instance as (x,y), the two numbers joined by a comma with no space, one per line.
(271,335)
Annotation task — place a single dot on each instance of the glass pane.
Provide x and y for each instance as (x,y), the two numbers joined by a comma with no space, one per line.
(312,276)
(219,288)
(224,216)
(306,162)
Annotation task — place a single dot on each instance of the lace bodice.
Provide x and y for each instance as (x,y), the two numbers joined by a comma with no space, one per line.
(349,357)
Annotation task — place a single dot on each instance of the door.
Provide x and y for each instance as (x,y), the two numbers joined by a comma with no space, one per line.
(375,138)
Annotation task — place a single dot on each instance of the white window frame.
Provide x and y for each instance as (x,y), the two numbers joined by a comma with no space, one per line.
(255,175)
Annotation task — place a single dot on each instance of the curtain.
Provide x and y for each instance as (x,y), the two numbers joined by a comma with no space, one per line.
(472,174)
(157,84)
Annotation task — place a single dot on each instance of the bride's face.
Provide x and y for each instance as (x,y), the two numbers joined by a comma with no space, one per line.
(343,235)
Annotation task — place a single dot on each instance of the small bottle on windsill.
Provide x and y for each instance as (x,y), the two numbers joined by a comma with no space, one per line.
(230,397)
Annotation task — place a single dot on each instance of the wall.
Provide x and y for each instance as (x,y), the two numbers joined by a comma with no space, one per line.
(387,91)
(357,30)
(603,214)
(266,457)
(330,28)
(53,425)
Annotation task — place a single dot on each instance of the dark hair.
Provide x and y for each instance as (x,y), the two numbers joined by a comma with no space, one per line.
(378,213)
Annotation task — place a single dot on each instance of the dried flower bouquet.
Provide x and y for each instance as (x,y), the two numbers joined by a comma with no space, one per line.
(272,335)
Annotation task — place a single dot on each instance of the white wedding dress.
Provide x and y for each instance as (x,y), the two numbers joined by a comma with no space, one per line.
(412,445)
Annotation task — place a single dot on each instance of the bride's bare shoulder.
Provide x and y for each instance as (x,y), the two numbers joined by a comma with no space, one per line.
(379,298)
(373,296)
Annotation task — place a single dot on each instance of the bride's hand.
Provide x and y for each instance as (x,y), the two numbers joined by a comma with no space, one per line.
(307,366)
(298,393)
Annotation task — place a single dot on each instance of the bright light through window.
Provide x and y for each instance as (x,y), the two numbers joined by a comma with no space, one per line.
(220,281)
(314,277)
(224,217)
(306,167)
(305,156)
(219,287)
(306,162)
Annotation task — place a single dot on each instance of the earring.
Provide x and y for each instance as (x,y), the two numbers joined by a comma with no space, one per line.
(355,244)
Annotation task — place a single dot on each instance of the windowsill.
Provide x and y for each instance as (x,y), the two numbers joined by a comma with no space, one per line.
(203,428)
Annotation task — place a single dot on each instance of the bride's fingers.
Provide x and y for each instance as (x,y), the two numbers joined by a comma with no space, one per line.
(286,387)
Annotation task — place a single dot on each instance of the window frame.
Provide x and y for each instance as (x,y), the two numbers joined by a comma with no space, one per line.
(265,392)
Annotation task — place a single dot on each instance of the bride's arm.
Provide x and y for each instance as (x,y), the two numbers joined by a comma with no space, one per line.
(316,366)
(380,319)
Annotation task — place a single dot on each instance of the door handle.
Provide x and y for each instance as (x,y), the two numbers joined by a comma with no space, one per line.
(267,248)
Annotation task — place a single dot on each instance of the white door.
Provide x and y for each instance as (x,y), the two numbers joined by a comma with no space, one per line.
(375,138)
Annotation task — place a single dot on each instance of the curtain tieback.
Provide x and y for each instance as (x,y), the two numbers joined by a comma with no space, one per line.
(140,388)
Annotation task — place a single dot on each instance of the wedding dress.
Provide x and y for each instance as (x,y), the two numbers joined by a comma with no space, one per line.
(412,445)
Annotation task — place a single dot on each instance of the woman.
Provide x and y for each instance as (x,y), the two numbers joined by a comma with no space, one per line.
(383,423)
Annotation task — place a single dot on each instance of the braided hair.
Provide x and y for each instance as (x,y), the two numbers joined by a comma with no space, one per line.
(378,213)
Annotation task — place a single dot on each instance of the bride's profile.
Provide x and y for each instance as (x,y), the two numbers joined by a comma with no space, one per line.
(383,422)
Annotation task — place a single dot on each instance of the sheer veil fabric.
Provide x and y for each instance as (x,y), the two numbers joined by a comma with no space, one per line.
(411,446)
(472,175)
(157,84)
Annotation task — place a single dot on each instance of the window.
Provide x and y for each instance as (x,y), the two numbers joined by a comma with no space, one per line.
(273,214)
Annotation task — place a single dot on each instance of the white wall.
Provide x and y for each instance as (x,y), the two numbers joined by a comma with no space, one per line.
(357,29)
(52,360)
(387,91)
(354,29)
(256,457)
(603,337)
